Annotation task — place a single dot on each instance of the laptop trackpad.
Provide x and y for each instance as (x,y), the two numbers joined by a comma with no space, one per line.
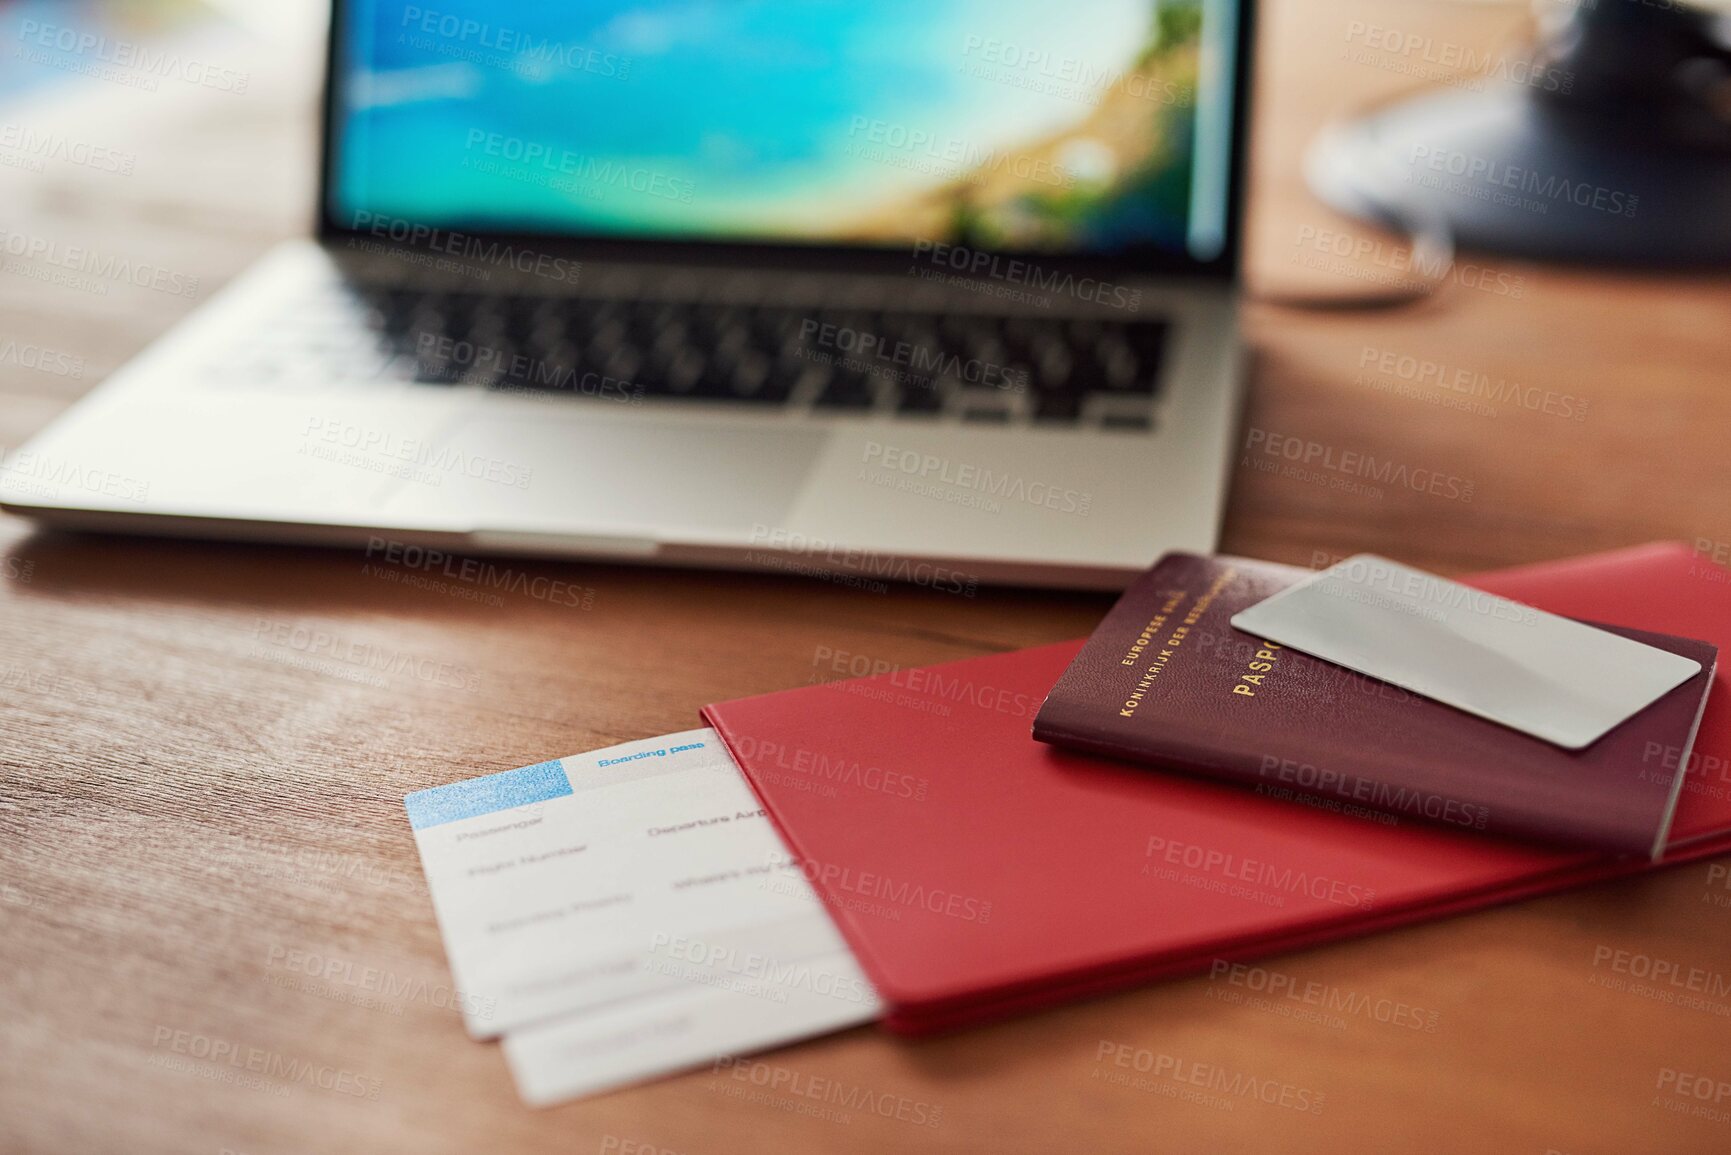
(553,473)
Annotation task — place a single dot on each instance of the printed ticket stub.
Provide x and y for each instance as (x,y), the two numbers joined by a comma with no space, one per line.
(594,896)
(677,1031)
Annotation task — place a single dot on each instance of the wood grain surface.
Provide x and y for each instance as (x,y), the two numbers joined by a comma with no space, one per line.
(187,795)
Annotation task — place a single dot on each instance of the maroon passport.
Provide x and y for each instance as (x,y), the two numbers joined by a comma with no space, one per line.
(1156,684)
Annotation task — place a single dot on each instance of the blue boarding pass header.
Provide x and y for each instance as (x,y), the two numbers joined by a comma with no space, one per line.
(488,794)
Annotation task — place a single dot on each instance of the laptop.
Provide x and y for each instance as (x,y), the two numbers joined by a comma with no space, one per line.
(940,291)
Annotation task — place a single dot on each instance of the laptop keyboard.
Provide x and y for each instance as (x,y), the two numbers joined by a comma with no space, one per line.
(973,367)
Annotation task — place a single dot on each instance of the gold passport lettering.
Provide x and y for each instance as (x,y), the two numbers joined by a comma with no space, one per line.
(1260,666)
(1154,626)
(1207,599)
(1128,709)
(1153,629)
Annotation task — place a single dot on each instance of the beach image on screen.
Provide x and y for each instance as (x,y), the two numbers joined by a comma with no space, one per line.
(1004,123)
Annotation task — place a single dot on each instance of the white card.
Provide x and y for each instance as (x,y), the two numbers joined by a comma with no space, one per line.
(1543,675)
(667,1033)
(638,870)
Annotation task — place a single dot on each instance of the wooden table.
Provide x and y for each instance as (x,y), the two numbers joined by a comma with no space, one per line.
(181,805)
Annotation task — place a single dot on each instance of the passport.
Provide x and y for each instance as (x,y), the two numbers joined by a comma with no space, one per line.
(1167,680)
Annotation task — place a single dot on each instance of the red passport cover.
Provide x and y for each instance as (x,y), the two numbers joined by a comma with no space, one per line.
(1166,679)
(976,872)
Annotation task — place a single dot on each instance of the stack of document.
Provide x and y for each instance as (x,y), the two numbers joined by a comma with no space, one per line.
(632,912)
(1023,875)
(623,914)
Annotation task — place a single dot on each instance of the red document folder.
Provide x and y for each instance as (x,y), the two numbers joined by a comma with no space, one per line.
(976,872)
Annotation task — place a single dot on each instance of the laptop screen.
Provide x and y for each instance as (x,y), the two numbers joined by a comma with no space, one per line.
(1092,127)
